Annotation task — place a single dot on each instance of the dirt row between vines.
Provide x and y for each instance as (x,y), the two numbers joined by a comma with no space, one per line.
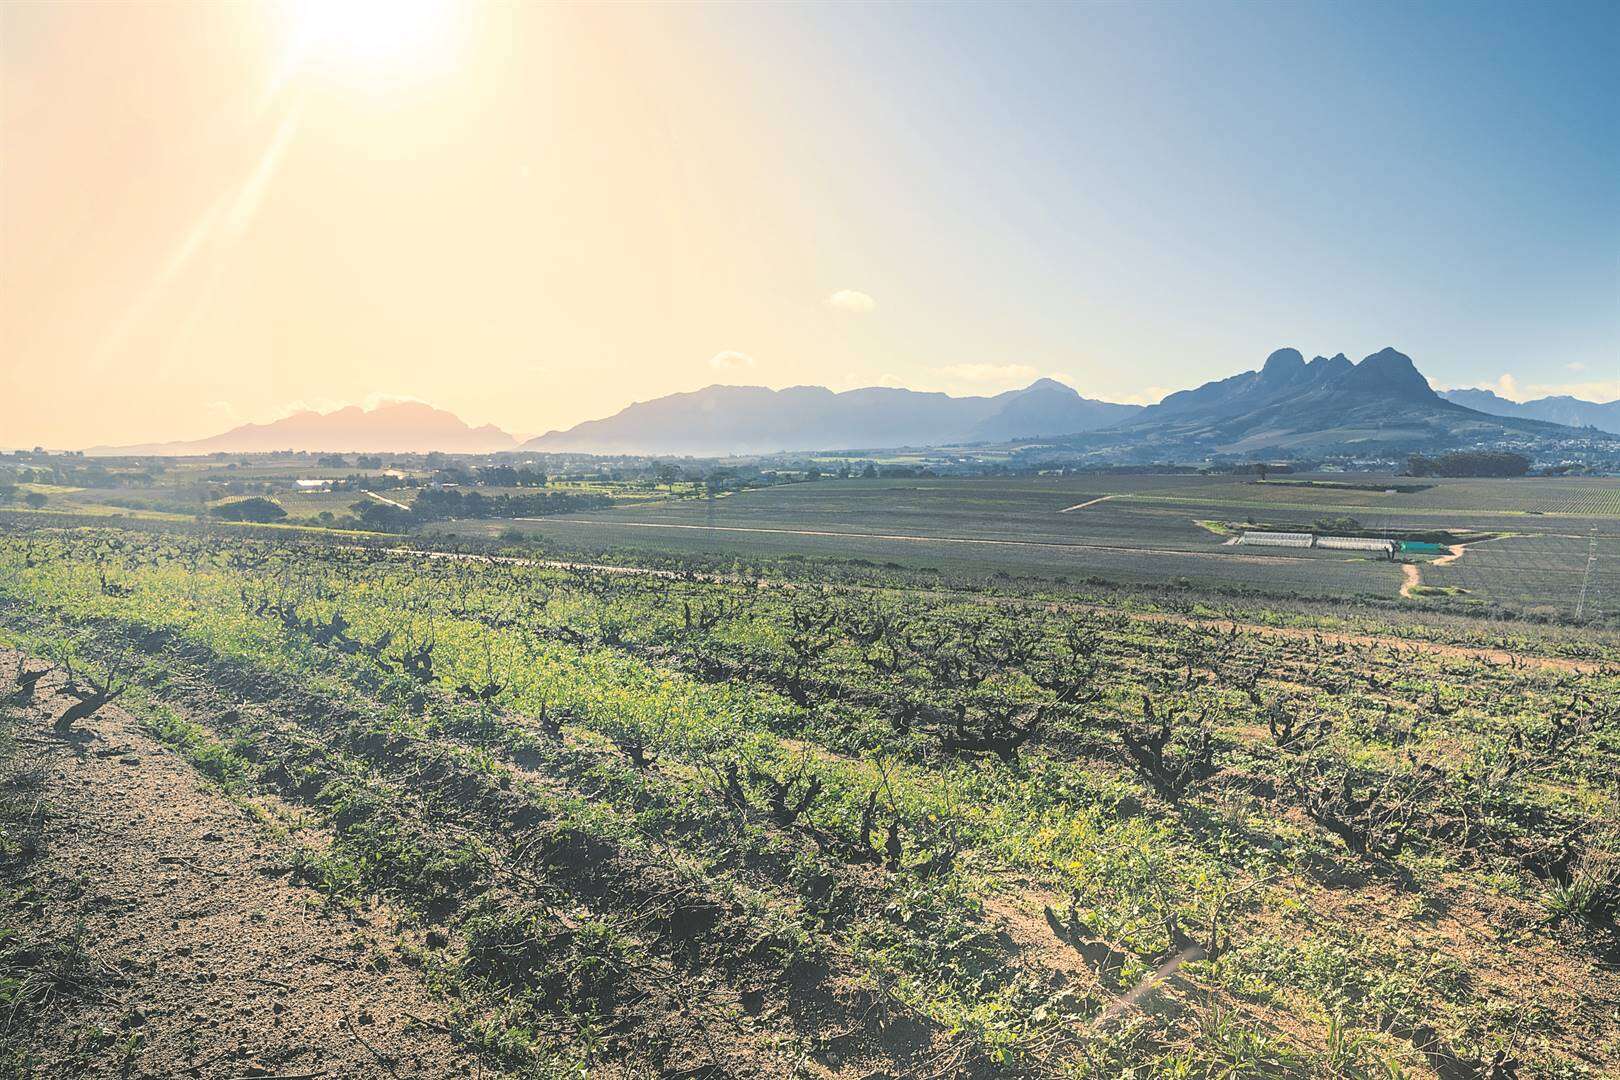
(195,955)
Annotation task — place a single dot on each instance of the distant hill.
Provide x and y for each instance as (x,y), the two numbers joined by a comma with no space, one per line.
(1562,409)
(1382,403)
(756,420)
(1044,408)
(398,427)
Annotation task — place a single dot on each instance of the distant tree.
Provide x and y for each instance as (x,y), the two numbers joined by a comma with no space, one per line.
(498,476)
(667,473)
(720,479)
(1469,463)
(368,461)
(34,499)
(870,472)
(331,461)
(1260,469)
(8,493)
(381,517)
(255,509)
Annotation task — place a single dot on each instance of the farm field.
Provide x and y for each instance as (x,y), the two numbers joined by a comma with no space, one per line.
(466,814)
(185,493)
(1310,573)
(1150,528)
(1583,496)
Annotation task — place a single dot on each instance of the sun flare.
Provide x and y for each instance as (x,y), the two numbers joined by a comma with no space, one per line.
(371,40)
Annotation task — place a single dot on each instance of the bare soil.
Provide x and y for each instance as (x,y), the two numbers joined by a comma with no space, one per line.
(203,960)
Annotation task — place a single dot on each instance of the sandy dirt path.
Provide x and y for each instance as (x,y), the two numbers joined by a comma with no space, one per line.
(1412,573)
(386,501)
(1456,552)
(204,961)
(1082,506)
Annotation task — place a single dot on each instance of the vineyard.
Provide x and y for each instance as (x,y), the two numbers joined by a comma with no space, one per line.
(1595,502)
(1143,529)
(668,822)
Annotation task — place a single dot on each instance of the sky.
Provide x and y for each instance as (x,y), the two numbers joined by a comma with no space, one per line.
(534,215)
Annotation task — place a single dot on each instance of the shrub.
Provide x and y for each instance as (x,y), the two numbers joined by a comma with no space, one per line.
(255,509)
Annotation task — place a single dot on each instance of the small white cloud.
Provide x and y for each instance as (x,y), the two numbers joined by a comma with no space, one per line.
(1600,390)
(853,301)
(1574,365)
(1507,386)
(226,410)
(991,374)
(731,360)
(1150,395)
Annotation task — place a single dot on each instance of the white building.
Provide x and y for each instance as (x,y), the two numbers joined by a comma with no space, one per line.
(1278,539)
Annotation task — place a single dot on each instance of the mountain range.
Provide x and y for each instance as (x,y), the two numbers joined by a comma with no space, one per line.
(394,427)
(1287,405)
(1562,409)
(1383,404)
(721,420)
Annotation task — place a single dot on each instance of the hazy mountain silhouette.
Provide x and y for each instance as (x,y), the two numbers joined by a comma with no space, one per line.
(754,420)
(1561,409)
(1329,403)
(1047,407)
(1288,405)
(397,427)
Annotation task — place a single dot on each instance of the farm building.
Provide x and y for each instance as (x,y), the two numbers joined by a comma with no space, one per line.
(1278,539)
(1357,543)
(1305,540)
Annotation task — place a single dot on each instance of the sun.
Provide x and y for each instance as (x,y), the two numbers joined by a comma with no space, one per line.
(370,41)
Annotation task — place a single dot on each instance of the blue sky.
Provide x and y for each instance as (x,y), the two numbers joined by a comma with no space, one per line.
(535,214)
(1157,194)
